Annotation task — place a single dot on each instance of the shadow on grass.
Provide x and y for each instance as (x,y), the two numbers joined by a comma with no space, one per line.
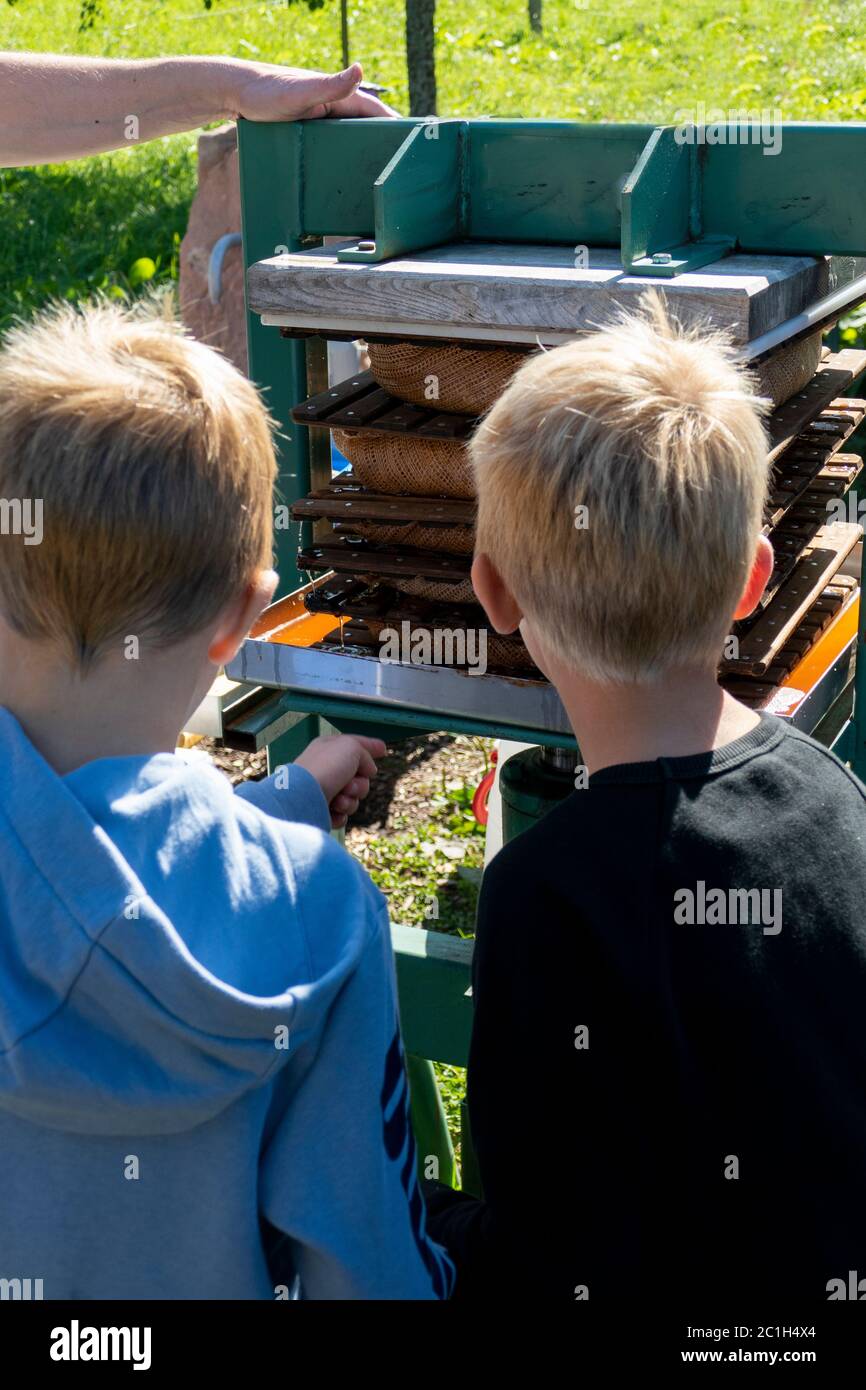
(401,758)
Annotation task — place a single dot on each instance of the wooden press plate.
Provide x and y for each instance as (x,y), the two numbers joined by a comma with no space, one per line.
(359,402)
(356,598)
(815,681)
(489,291)
(827,648)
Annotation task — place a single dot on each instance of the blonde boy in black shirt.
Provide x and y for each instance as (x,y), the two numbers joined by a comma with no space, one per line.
(670,970)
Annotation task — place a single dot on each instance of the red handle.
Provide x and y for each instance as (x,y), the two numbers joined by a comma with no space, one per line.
(482,792)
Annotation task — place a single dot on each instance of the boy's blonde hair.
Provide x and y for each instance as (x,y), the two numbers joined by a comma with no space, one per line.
(657,434)
(153,459)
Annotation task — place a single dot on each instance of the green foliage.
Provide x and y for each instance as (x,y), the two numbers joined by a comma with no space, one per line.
(452,1089)
(617,62)
(430,874)
(71,232)
(89,12)
(852,329)
(437,865)
(111,225)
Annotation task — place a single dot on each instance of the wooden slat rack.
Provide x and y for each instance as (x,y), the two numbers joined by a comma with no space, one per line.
(348,501)
(396,562)
(763,637)
(358,403)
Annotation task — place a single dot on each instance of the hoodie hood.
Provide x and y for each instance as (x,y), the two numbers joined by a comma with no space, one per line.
(109,1023)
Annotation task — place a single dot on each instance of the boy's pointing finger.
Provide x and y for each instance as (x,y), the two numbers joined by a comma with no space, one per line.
(373,745)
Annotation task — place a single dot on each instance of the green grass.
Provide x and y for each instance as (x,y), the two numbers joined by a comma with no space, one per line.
(430,875)
(622,60)
(452,1088)
(71,230)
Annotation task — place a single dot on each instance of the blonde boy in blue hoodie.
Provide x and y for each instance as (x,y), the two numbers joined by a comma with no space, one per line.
(202,1091)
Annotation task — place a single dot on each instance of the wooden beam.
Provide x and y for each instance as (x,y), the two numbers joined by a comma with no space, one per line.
(516,292)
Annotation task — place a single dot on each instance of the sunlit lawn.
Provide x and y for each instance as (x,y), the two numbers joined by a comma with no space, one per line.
(68,231)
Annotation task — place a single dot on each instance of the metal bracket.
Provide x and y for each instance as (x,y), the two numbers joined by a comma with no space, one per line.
(417,198)
(699,192)
(680,259)
(661,211)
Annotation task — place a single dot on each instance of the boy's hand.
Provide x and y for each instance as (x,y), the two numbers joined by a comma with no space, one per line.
(342,764)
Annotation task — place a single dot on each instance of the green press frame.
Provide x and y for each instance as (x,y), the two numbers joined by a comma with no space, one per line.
(672,199)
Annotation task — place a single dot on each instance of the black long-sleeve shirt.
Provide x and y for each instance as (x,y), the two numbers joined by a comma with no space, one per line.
(659,1105)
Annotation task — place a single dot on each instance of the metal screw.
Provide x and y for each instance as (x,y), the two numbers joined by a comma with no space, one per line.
(662,258)
(366,246)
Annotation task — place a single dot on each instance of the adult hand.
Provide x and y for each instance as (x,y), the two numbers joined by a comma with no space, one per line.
(266,92)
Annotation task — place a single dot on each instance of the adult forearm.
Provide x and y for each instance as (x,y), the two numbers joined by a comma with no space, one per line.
(55,108)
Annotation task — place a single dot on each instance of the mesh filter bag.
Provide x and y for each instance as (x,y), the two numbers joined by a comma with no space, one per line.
(436,590)
(508,654)
(449,540)
(402,463)
(463,379)
(470,380)
(789,369)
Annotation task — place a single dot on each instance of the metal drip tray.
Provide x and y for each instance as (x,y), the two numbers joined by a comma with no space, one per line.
(284,652)
(287,652)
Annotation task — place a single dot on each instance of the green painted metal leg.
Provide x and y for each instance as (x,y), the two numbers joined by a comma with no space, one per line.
(435,1150)
(469,1172)
(531,783)
(287,747)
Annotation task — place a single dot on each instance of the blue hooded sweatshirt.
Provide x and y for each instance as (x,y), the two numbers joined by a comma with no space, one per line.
(199,1049)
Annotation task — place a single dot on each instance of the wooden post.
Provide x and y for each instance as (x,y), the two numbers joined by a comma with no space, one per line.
(344,31)
(420,57)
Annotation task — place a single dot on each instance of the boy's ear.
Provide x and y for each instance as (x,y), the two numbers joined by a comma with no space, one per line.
(495,598)
(762,568)
(240,616)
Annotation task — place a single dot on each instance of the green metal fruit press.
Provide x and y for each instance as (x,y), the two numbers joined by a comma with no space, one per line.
(398,272)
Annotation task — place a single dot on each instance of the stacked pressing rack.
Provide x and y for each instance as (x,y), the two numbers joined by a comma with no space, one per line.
(400,544)
(455,248)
